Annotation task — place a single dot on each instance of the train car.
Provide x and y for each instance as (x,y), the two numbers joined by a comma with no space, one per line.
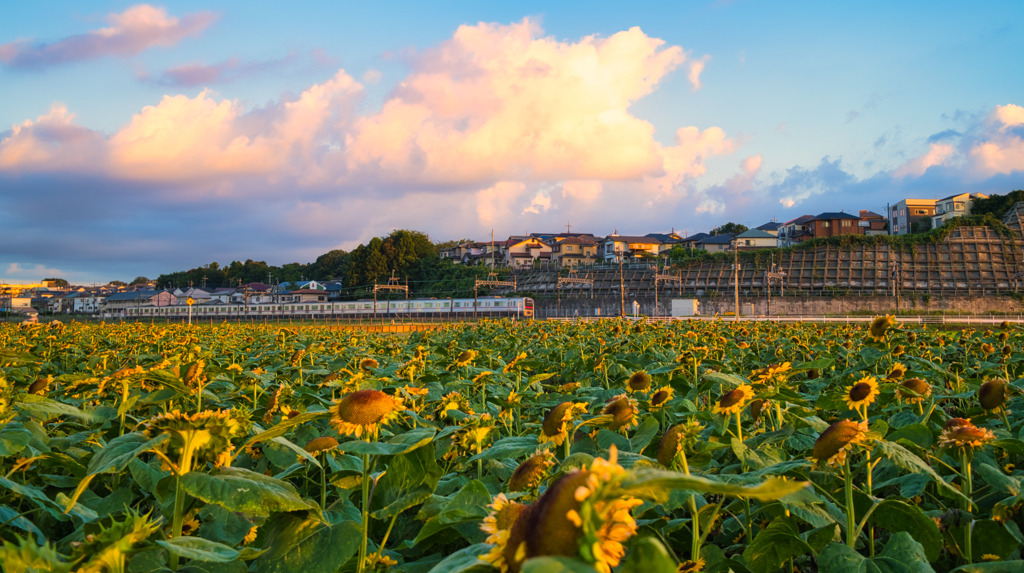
(426,308)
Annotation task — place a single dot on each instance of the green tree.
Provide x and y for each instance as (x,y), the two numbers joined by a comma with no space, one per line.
(729,228)
(59,282)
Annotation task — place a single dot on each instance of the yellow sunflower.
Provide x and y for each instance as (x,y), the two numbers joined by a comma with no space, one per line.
(554,429)
(992,394)
(530,473)
(914,390)
(897,371)
(465,358)
(733,401)
(879,326)
(363,411)
(677,439)
(661,397)
(861,394)
(639,380)
(623,411)
(833,444)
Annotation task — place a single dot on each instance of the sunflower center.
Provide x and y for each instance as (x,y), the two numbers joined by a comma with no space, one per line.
(365,407)
(731,398)
(860,391)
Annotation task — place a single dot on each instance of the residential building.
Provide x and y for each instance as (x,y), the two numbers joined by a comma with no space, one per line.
(911,216)
(626,247)
(717,243)
(771,227)
(522,252)
(756,239)
(795,231)
(668,241)
(831,224)
(872,223)
(573,251)
(954,206)
(692,241)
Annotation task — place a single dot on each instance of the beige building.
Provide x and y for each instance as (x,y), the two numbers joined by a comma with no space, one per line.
(906,216)
(954,206)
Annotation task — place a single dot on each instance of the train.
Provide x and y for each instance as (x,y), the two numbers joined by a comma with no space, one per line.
(455,308)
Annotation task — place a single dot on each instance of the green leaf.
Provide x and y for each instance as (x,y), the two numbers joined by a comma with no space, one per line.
(907,460)
(556,565)
(43,408)
(655,485)
(775,545)
(896,516)
(993,538)
(199,549)
(300,451)
(917,434)
(901,555)
(1015,566)
(116,455)
(648,555)
(409,480)
(284,426)
(508,448)
(13,441)
(463,560)
(400,444)
(643,435)
(244,491)
(997,479)
(298,542)
(469,505)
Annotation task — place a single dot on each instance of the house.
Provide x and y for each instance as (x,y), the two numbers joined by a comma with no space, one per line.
(771,227)
(573,251)
(720,243)
(831,224)
(691,241)
(616,247)
(307,295)
(668,241)
(872,223)
(522,252)
(954,206)
(756,239)
(222,294)
(88,302)
(794,231)
(119,301)
(911,216)
(163,298)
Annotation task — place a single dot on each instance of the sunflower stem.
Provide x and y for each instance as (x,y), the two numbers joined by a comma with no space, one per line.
(323,482)
(366,513)
(851,525)
(965,472)
(179,508)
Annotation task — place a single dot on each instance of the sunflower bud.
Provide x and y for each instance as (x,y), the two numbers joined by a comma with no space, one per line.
(992,393)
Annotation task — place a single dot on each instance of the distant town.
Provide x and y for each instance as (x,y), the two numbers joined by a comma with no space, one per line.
(537,250)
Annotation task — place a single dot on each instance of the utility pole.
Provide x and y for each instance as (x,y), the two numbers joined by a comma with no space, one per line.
(391,286)
(492,281)
(736,276)
(573,278)
(894,273)
(664,278)
(769,276)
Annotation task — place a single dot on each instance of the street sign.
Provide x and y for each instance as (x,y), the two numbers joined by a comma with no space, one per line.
(190,301)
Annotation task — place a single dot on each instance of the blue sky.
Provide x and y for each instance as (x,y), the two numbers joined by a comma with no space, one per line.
(137,139)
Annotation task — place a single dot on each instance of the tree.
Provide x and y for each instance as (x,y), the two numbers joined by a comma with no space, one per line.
(57,282)
(729,228)
(140,280)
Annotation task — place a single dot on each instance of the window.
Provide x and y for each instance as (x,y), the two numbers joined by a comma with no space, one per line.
(920,212)
(826,224)
(847,222)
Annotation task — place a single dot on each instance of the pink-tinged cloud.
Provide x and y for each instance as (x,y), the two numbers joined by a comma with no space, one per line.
(736,193)
(230,70)
(585,191)
(696,69)
(131,32)
(498,102)
(938,154)
(498,201)
(52,143)
(1002,149)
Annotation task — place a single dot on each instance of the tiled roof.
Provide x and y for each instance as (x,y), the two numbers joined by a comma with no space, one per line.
(755,234)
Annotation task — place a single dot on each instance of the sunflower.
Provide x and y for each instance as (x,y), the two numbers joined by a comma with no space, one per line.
(772,372)
(879,326)
(992,394)
(691,566)
(204,436)
(861,394)
(530,473)
(963,434)
(317,445)
(914,390)
(661,397)
(623,411)
(251,536)
(639,380)
(677,439)
(553,429)
(367,364)
(897,371)
(362,411)
(465,358)
(512,364)
(733,401)
(833,444)
(453,401)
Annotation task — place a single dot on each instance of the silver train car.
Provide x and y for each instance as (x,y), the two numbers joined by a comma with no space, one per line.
(455,308)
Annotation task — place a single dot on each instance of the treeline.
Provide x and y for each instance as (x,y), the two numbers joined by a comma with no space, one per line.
(407,255)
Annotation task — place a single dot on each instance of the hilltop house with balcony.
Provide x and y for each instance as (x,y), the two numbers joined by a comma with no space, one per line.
(832,224)
(954,206)
(573,251)
(719,243)
(795,231)
(617,247)
(755,239)
(522,252)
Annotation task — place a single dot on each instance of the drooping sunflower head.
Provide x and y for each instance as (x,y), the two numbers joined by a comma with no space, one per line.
(897,371)
(914,390)
(363,411)
(623,411)
(733,401)
(862,393)
(992,394)
(639,380)
(879,326)
(203,436)
(322,444)
(963,434)
(453,401)
(661,397)
(677,438)
(367,364)
(530,473)
(498,525)
(554,428)
(832,445)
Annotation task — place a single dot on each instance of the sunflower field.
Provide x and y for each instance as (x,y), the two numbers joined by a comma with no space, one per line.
(512,446)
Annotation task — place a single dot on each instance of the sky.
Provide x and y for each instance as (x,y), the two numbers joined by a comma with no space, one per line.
(141,139)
